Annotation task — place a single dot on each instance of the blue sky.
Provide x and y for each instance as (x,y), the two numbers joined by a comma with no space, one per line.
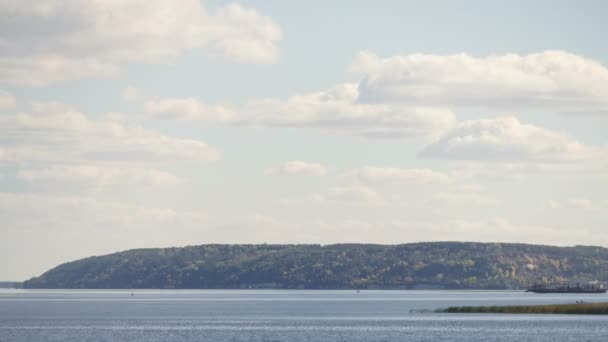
(147,123)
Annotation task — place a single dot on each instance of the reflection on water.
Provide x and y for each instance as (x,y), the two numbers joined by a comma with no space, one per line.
(270,315)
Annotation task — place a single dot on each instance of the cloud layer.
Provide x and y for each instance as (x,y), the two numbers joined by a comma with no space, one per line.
(47,41)
(557,81)
(375,175)
(97,176)
(337,109)
(54,132)
(53,144)
(298,167)
(505,139)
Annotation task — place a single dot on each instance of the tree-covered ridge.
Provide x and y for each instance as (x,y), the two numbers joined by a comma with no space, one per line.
(418,265)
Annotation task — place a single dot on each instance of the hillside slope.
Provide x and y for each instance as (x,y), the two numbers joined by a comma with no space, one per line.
(418,265)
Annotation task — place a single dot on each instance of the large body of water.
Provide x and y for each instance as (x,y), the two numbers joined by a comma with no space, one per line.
(294,316)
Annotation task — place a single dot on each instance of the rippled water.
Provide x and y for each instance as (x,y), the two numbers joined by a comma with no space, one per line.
(265,315)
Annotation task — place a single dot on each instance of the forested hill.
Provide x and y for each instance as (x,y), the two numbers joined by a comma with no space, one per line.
(344,266)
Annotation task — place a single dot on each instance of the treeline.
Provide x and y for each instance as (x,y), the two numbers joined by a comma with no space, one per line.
(450,265)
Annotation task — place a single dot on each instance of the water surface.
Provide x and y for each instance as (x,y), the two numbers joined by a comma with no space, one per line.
(284,315)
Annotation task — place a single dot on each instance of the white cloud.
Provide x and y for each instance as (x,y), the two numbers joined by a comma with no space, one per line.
(298,167)
(97,176)
(188,109)
(350,195)
(373,174)
(507,170)
(244,35)
(463,196)
(552,80)
(577,203)
(336,109)
(40,70)
(7,100)
(47,41)
(54,144)
(505,139)
(52,132)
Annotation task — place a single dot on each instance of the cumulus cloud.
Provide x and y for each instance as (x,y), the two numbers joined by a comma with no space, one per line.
(53,132)
(405,96)
(55,144)
(375,175)
(47,41)
(505,139)
(97,176)
(435,187)
(298,167)
(336,109)
(552,80)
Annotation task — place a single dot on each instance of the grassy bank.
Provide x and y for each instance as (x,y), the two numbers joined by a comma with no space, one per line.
(576,309)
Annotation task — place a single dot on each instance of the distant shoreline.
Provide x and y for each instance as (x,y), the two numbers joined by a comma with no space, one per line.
(11,284)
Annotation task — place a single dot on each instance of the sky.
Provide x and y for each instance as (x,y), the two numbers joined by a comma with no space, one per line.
(156,123)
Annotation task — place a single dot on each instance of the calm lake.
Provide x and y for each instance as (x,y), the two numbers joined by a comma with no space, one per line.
(275,315)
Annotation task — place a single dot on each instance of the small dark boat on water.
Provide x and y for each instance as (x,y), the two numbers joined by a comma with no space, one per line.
(567,288)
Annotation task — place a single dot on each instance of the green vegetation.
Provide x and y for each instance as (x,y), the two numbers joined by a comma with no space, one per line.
(575,309)
(451,265)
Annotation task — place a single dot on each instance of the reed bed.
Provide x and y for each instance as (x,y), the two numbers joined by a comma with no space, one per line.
(573,309)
